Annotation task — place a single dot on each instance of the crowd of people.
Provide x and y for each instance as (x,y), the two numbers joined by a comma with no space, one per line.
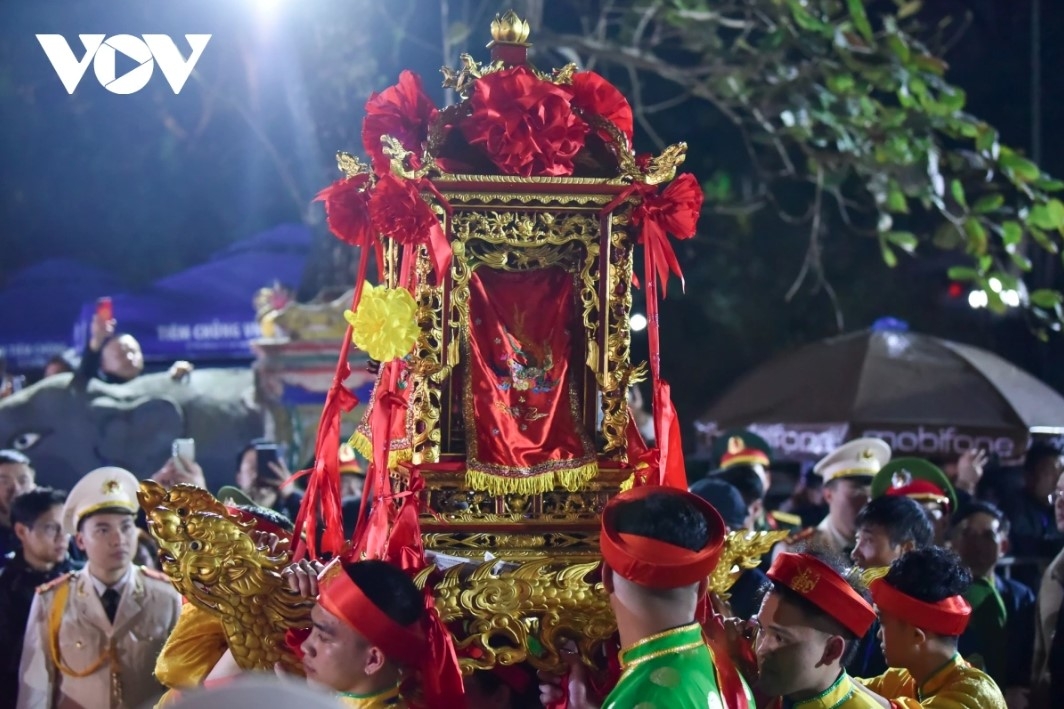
(901,595)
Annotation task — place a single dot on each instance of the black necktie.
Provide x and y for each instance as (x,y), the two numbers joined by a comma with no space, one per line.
(110,599)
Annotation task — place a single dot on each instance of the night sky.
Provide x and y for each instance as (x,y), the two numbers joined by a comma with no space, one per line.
(150,183)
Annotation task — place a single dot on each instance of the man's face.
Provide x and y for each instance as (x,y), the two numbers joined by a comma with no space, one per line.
(351,485)
(787,647)
(874,547)
(980,543)
(895,639)
(109,541)
(45,541)
(334,655)
(15,479)
(1058,503)
(1045,475)
(121,357)
(939,517)
(845,498)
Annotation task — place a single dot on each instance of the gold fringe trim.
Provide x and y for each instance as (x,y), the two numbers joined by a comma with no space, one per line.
(364,447)
(571,479)
(629,483)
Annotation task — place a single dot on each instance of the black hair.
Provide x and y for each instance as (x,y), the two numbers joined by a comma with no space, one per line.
(975,507)
(724,498)
(27,507)
(10,456)
(249,446)
(1039,451)
(838,564)
(745,479)
(388,588)
(930,575)
(665,518)
(903,519)
(267,515)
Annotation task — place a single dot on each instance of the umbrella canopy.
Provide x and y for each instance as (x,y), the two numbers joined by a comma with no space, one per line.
(39,304)
(924,395)
(206,312)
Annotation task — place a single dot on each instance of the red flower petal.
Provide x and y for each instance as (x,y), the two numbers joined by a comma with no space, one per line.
(403,111)
(347,210)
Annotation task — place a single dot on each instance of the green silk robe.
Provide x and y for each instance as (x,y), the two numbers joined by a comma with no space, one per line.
(673,669)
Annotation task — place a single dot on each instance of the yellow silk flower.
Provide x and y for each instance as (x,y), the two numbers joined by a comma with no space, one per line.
(385,325)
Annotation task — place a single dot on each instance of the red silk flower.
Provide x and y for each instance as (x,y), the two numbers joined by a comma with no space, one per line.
(593,94)
(347,210)
(674,211)
(399,212)
(403,111)
(526,125)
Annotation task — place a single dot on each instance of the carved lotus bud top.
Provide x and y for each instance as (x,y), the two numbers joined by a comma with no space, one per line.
(509,29)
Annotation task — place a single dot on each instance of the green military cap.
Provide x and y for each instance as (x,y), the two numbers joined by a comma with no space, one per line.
(917,479)
(738,446)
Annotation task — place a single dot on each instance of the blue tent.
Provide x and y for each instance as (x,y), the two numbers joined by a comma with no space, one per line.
(39,304)
(206,312)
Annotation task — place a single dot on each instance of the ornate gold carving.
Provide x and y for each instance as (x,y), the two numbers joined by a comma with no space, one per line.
(742,550)
(214,562)
(510,29)
(350,165)
(550,600)
(461,79)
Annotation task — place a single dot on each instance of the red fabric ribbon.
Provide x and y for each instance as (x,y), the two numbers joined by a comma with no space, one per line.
(323,489)
(729,679)
(946,617)
(674,210)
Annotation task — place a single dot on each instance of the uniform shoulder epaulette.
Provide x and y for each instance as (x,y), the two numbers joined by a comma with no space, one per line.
(787,518)
(154,574)
(58,580)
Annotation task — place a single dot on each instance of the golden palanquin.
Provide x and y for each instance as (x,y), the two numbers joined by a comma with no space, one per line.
(512,424)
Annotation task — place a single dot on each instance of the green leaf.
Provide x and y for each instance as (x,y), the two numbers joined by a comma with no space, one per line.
(900,48)
(1021,260)
(1046,298)
(860,18)
(988,203)
(953,99)
(1049,185)
(986,139)
(889,257)
(1021,169)
(946,237)
(904,240)
(896,201)
(957,189)
(807,21)
(976,236)
(1056,212)
(1043,240)
(1049,215)
(909,8)
(1011,232)
(841,83)
(963,273)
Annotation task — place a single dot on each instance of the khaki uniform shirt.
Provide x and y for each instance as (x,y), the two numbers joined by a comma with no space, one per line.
(147,610)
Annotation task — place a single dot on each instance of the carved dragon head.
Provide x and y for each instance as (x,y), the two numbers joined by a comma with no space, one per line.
(209,551)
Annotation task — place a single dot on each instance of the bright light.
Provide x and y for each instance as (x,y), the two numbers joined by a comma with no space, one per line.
(995,285)
(1011,298)
(977,299)
(638,322)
